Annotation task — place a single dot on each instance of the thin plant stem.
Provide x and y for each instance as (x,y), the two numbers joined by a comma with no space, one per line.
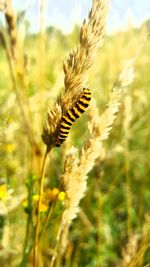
(25,252)
(35,251)
(46,221)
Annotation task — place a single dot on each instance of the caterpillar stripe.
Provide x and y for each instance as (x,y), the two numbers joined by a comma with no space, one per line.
(74,113)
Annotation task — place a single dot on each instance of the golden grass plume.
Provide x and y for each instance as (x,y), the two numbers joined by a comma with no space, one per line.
(75,69)
(78,165)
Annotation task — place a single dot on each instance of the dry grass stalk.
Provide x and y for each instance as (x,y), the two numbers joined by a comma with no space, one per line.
(76,67)
(36,241)
(78,166)
(2,39)
(11,23)
(134,252)
(91,37)
(130,250)
(17,69)
(15,50)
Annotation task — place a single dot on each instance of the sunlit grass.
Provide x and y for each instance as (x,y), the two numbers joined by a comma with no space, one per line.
(113,226)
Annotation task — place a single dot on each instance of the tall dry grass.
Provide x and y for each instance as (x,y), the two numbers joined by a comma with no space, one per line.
(41,202)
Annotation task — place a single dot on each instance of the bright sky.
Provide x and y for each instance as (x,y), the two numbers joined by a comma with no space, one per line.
(65,13)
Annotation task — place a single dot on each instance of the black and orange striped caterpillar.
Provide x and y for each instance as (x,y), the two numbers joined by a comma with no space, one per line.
(75,112)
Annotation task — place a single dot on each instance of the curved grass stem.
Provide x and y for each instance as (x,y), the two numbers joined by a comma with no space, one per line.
(35,251)
(46,221)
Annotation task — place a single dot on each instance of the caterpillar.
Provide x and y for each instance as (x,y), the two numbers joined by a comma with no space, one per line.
(74,113)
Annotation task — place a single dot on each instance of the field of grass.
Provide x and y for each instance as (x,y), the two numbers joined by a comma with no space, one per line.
(112,227)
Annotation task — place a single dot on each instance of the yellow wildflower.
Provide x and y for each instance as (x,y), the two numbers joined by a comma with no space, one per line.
(61,196)
(43,204)
(10,147)
(51,194)
(3,192)
(35,197)
(55,191)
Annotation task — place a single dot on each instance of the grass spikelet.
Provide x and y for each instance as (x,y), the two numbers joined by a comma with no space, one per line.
(100,126)
(76,66)
(15,46)
(91,37)
(77,166)
(130,250)
(50,129)
(133,254)
(11,22)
